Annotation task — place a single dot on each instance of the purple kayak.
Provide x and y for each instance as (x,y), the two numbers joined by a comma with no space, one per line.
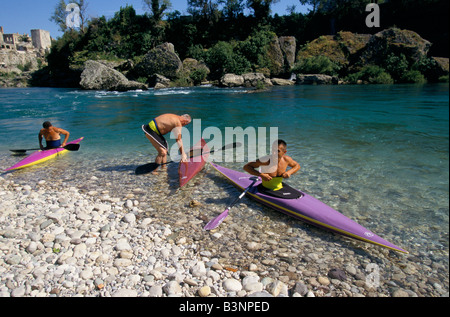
(308,209)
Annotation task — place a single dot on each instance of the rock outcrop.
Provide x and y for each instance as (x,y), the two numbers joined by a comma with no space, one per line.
(97,76)
(231,80)
(161,60)
(397,42)
(316,79)
(288,46)
(276,57)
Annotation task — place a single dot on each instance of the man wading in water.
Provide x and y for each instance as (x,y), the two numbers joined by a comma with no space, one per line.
(161,125)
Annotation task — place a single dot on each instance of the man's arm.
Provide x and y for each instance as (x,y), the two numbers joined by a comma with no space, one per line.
(251,169)
(40,137)
(295,167)
(66,134)
(177,132)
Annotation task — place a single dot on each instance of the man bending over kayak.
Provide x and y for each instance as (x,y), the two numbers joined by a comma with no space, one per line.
(52,136)
(273,167)
(161,125)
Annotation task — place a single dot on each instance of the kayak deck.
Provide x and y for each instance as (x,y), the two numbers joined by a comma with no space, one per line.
(41,156)
(308,209)
(199,153)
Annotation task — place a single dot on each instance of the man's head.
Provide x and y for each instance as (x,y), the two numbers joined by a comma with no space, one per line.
(185,119)
(279,147)
(46,124)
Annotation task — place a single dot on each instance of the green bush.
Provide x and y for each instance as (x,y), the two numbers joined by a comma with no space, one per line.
(316,65)
(371,74)
(443,79)
(222,59)
(198,75)
(396,66)
(413,77)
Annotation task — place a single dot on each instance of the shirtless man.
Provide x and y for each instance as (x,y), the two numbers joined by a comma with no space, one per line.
(52,136)
(161,125)
(274,166)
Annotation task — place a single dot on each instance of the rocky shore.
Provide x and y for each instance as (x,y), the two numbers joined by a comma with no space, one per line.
(90,238)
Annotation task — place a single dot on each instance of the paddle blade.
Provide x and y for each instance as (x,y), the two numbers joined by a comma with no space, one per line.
(146,168)
(22,151)
(214,223)
(72,147)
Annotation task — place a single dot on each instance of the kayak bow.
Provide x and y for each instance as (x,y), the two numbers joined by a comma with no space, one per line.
(199,153)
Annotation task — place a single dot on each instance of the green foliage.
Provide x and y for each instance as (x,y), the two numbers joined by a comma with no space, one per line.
(413,77)
(228,41)
(396,66)
(443,79)
(198,75)
(371,74)
(222,59)
(317,65)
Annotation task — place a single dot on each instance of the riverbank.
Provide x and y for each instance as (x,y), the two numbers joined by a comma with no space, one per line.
(86,236)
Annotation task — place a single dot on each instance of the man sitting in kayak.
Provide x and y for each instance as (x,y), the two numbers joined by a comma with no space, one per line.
(273,167)
(161,125)
(52,136)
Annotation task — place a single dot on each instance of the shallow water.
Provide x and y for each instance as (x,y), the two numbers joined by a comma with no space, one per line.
(378,154)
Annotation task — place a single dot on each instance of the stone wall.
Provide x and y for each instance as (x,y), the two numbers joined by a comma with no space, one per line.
(41,39)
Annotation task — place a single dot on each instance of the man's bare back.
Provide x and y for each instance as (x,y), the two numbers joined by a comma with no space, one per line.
(51,133)
(167,122)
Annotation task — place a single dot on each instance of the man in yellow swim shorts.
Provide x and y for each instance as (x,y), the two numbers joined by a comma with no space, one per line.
(161,125)
(274,167)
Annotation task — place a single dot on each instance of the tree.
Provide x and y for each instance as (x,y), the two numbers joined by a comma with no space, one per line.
(261,8)
(232,8)
(62,10)
(158,8)
(207,9)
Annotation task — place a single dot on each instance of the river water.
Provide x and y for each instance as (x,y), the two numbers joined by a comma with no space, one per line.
(379,154)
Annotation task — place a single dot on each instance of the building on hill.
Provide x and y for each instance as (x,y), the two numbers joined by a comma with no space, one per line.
(40,40)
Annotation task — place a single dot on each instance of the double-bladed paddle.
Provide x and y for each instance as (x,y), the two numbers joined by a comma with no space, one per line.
(150,167)
(69,147)
(214,223)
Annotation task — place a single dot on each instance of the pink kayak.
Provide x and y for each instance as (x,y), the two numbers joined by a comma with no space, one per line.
(42,156)
(199,154)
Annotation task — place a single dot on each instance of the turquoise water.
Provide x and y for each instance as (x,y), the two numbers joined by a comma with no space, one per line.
(376,153)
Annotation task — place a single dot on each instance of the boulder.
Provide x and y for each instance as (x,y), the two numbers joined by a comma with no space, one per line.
(316,79)
(231,80)
(97,76)
(288,46)
(282,82)
(161,60)
(158,81)
(255,79)
(276,57)
(396,41)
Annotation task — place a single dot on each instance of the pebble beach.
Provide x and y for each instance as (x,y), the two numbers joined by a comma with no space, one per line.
(110,233)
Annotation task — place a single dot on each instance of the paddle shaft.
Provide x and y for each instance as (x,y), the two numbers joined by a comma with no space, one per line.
(234,145)
(214,223)
(69,147)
